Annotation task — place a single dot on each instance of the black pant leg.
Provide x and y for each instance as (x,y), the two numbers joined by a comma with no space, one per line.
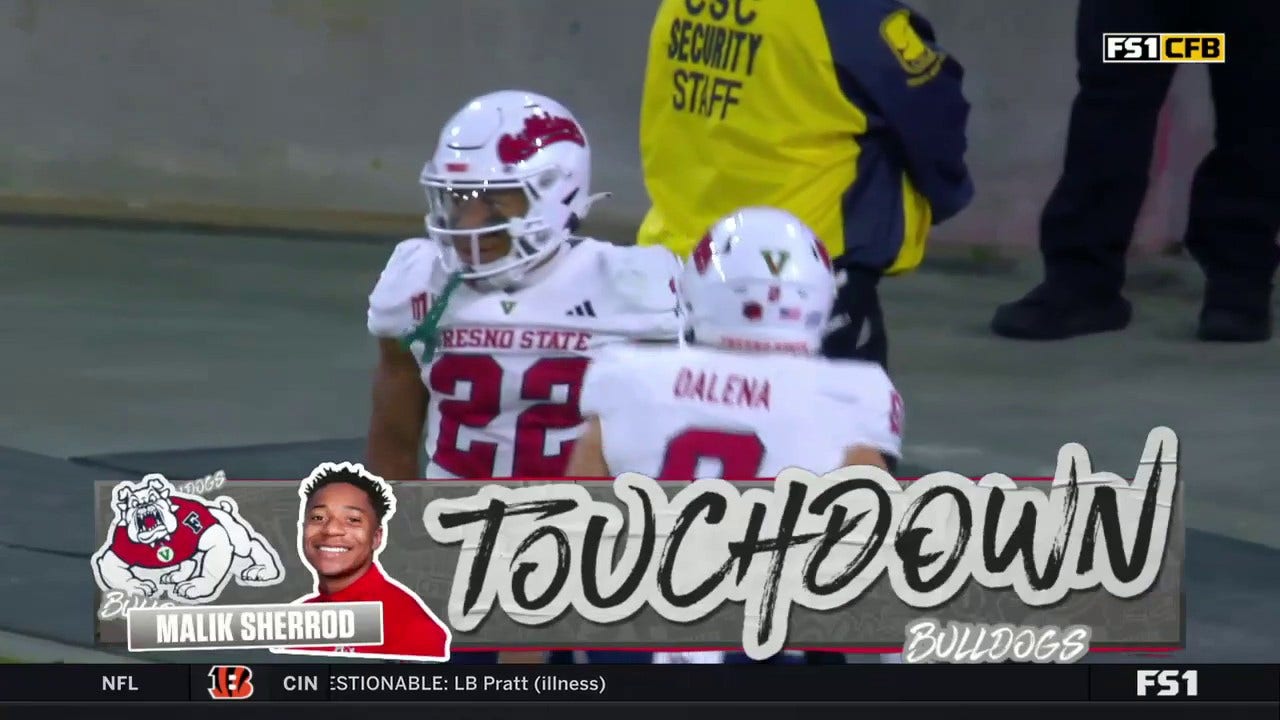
(1088,221)
(861,335)
(473,658)
(1235,196)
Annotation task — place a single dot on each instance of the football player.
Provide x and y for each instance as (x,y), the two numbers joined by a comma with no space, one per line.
(750,396)
(486,325)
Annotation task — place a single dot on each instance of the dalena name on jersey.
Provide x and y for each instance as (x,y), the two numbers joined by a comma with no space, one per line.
(488,338)
(826,541)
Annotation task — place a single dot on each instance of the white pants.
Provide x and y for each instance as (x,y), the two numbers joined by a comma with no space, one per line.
(714,657)
(706,657)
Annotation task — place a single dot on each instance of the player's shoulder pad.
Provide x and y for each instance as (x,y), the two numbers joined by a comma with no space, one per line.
(858,381)
(644,277)
(872,408)
(609,380)
(411,271)
(617,355)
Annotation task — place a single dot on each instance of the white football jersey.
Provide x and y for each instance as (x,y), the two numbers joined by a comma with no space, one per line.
(682,413)
(507,370)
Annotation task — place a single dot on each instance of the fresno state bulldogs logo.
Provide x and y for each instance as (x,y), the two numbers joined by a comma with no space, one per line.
(540,130)
(186,547)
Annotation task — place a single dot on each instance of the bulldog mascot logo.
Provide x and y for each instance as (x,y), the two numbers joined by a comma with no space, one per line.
(166,543)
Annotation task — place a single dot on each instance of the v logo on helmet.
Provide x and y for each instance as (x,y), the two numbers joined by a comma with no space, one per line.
(775,260)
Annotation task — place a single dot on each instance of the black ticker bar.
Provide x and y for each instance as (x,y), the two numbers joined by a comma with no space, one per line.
(1221,683)
(95,683)
(670,683)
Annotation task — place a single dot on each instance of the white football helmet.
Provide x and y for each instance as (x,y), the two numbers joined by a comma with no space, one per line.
(759,280)
(508,184)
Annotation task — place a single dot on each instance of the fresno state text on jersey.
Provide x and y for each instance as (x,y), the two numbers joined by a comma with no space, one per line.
(507,368)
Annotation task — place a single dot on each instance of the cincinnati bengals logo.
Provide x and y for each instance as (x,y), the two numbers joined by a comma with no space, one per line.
(230,682)
(539,131)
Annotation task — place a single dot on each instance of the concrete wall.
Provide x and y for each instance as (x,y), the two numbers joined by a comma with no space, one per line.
(328,104)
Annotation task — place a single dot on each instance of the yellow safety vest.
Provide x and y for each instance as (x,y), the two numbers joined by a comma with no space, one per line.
(741,107)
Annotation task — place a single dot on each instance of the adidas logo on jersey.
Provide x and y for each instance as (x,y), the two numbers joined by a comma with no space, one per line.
(583,310)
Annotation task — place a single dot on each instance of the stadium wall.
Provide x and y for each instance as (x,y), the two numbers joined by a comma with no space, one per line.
(317,114)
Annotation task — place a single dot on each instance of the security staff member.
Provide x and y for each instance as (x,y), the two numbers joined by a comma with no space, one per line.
(843,112)
(1235,197)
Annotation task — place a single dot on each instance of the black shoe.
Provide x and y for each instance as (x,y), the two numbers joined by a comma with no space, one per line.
(1233,325)
(1048,315)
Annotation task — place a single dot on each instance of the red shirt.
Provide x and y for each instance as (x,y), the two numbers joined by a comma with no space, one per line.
(408,630)
(193,519)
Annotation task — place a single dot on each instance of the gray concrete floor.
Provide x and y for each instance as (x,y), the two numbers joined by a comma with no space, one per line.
(119,342)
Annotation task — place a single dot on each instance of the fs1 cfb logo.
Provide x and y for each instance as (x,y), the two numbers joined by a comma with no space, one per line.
(1164,47)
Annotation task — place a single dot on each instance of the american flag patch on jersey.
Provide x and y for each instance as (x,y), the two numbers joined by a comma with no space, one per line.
(789,313)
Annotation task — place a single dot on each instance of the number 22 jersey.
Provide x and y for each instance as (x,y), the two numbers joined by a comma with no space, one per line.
(506,375)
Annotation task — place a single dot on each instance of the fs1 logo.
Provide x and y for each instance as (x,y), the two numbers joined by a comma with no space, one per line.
(1164,48)
(1171,683)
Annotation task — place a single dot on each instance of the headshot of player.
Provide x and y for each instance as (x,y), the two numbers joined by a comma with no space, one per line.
(342,529)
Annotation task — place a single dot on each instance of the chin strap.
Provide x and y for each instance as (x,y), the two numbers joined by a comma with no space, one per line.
(426,331)
(684,338)
(591,201)
(576,218)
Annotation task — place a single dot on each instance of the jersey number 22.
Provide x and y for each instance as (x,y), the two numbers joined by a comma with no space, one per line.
(484,375)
